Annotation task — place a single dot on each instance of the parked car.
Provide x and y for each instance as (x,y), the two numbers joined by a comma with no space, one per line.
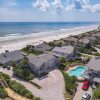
(8,67)
(86,85)
(86,96)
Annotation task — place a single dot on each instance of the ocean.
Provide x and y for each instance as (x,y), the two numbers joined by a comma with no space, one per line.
(16,29)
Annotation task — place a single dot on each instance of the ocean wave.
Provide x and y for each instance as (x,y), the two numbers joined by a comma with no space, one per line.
(14,34)
(60,31)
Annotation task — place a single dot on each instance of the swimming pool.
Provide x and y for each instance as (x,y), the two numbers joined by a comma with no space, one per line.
(78,71)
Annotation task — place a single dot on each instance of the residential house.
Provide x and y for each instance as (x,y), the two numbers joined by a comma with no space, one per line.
(8,57)
(94,69)
(87,40)
(84,41)
(94,64)
(43,47)
(4,60)
(67,52)
(42,63)
(70,40)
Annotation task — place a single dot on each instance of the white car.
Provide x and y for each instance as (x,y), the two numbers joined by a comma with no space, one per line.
(86,96)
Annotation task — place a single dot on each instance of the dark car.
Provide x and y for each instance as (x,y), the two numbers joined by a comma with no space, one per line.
(8,67)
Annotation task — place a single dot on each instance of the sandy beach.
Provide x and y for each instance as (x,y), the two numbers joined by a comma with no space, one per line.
(19,43)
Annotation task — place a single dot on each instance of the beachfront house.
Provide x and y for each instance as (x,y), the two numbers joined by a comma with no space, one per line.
(43,63)
(84,41)
(43,47)
(70,40)
(67,52)
(87,40)
(9,57)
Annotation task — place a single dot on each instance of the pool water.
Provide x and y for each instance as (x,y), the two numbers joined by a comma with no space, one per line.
(78,71)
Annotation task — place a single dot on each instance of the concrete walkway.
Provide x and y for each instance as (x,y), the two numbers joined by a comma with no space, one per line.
(84,54)
(80,92)
(53,86)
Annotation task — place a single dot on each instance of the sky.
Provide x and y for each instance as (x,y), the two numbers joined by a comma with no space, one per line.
(49,10)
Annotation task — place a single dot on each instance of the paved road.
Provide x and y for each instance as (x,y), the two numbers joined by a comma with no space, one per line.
(53,86)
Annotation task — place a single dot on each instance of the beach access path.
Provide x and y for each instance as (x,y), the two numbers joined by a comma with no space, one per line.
(53,86)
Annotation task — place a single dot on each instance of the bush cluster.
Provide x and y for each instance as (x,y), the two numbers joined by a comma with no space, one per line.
(70,84)
(20,89)
(22,70)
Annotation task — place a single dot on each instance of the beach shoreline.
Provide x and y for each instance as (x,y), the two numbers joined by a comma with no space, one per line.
(35,39)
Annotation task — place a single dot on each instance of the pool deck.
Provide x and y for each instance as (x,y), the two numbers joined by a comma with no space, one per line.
(73,68)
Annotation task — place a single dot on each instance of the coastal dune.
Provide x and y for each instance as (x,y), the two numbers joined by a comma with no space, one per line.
(35,39)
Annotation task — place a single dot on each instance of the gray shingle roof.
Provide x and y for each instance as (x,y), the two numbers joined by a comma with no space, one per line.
(11,56)
(40,60)
(70,39)
(43,47)
(4,59)
(96,79)
(94,64)
(67,49)
(15,55)
(97,34)
(84,41)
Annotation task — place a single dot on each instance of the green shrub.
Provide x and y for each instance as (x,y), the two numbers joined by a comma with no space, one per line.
(70,83)
(21,70)
(37,52)
(5,76)
(86,50)
(62,60)
(36,98)
(1,64)
(28,50)
(20,89)
(96,94)
(97,41)
(3,93)
(29,95)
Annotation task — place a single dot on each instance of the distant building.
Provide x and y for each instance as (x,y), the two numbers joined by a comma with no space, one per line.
(99,28)
(84,41)
(43,47)
(67,51)
(8,57)
(71,38)
(42,63)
